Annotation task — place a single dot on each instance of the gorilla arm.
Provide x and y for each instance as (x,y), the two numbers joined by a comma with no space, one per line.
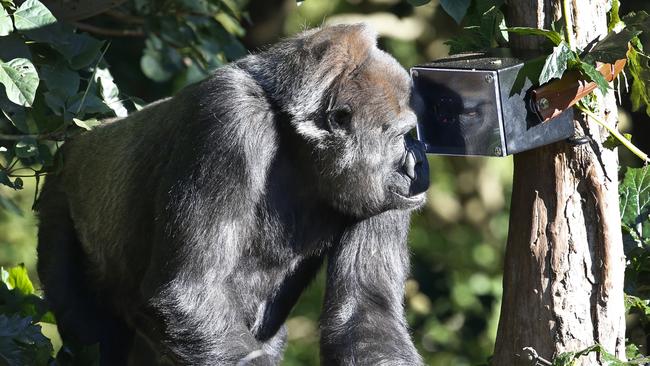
(205,212)
(363,320)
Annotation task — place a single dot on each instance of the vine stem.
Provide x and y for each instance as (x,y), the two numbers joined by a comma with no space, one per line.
(568,23)
(627,143)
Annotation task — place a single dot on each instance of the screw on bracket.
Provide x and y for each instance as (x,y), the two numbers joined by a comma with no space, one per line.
(543,104)
(498,151)
(489,78)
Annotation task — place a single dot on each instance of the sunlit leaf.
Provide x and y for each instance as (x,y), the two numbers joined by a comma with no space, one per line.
(19,279)
(553,36)
(612,142)
(31,15)
(6,26)
(556,63)
(88,124)
(20,79)
(634,192)
(611,48)
(594,75)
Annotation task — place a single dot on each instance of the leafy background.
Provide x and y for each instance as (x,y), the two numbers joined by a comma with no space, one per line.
(151,49)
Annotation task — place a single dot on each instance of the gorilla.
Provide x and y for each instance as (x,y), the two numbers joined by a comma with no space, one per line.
(185,233)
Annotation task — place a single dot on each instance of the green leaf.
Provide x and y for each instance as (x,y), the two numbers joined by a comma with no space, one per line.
(640,72)
(556,63)
(88,124)
(59,77)
(634,193)
(594,75)
(553,36)
(19,279)
(13,46)
(530,71)
(20,79)
(6,26)
(82,50)
(614,18)
(32,14)
(611,48)
(15,113)
(26,148)
(23,343)
(456,8)
(416,2)
(637,21)
(88,104)
(612,142)
(109,91)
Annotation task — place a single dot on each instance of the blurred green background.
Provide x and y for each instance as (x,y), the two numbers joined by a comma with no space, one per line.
(457,241)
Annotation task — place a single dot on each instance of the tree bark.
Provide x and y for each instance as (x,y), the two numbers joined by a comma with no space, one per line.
(564,263)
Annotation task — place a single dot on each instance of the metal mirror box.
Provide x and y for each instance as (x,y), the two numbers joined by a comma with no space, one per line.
(475,104)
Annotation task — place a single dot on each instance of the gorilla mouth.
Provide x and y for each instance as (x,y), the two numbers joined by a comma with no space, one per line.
(406,202)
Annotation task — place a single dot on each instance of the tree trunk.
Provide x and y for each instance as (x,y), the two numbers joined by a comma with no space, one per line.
(564,264)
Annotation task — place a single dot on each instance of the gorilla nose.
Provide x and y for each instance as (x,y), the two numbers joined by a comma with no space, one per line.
(416,166)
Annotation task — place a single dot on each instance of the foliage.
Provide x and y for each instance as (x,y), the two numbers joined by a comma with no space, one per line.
(21,339)
(56,82)
(570,358)
(635,220)
(75,85)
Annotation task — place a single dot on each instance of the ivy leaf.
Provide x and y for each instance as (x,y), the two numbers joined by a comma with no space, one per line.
(456,8)
(556,63)
(6,26)
(594,75)
(634,194)
(640,72)
(32,14)
(611,48)
(553,36)
(20,79)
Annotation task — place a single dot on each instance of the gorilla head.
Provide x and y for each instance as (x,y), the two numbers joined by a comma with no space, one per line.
(354,126)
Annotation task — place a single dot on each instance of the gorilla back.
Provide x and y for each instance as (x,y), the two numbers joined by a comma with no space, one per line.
(185,233)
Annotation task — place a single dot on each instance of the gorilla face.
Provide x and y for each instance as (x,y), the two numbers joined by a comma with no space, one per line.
(367,161)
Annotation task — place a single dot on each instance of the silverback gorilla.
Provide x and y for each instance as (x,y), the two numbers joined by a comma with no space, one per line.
(185,233)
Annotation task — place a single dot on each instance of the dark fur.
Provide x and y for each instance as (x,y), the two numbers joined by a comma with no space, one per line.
(185,233)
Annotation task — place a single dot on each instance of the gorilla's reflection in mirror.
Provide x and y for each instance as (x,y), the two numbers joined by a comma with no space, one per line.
(459,121)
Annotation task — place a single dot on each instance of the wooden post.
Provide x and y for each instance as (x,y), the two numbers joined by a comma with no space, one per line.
(564,265)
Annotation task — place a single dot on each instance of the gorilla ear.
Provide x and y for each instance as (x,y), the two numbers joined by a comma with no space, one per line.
(349,43)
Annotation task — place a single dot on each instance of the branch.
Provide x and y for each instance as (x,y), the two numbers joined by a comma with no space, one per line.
(108,32)
(124,17)
(45,136)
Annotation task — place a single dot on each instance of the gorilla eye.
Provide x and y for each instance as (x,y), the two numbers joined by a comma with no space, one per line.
(339,118)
